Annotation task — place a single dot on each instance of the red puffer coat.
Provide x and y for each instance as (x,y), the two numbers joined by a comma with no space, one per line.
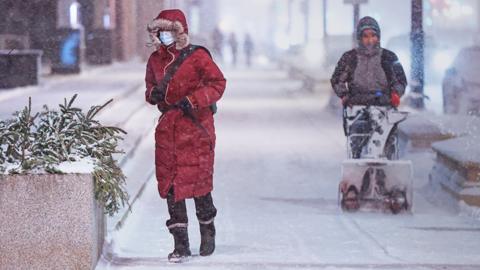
(184,150)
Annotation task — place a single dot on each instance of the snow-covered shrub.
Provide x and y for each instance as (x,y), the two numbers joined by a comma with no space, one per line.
(56,141)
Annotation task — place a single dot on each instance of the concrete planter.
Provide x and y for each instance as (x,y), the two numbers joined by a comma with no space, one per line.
(49,222)
(418,133)
(19,68)
(457,169)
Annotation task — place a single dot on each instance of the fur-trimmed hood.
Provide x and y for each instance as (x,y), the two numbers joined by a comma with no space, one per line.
(170,20)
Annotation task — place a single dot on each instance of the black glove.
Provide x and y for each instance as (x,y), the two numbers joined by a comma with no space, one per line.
(185,105)
(157,95)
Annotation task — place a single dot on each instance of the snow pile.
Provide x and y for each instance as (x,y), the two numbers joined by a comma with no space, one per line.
(458,125)
(456,136)
(85,165)
(468,210)
(463,149)
(447,125)
(423,124)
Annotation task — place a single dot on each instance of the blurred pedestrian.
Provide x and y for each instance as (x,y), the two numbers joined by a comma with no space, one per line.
(232,41)
(217,46)
(184,83)
(248,48)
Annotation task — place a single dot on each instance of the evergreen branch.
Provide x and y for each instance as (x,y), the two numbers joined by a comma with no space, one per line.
(44,140)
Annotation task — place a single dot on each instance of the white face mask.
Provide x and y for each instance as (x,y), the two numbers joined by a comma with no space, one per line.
(166,37)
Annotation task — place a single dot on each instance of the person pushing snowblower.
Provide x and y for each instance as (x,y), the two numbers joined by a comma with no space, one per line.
(370,81)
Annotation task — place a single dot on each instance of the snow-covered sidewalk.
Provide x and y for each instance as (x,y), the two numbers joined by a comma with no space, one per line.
(276,175)
(94,86)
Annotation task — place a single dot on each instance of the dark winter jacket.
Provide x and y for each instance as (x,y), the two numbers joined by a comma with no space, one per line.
(368,78)
(184,144)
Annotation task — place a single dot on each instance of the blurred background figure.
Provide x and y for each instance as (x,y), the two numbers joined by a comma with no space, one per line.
(217,43)
(233,43)
(248,48)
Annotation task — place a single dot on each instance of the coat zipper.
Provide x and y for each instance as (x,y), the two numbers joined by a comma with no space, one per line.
(165,72)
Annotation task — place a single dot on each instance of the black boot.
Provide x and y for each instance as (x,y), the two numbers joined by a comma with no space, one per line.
(207,245)
(182,246)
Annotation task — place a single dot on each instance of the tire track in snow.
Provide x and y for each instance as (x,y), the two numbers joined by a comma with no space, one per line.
(375,241)
(369,245)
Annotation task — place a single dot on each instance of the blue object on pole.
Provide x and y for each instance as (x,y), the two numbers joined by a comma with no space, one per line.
(378,93)
(65,49)
(68,50)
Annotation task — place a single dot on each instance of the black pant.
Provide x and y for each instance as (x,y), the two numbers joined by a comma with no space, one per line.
(204,207)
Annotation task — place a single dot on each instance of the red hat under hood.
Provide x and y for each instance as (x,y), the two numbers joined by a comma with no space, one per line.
(170,20)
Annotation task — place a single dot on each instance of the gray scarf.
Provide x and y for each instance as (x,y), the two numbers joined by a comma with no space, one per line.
(369,51)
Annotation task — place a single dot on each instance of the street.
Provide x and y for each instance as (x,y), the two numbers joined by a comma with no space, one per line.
(290,83)
(277,169)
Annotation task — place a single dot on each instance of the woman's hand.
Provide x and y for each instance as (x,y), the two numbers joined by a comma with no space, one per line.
(157,95)
(185,105)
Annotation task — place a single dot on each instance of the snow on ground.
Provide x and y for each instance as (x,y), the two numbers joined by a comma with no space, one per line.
(276,175)
(434,103)
(277,169)
(94,87)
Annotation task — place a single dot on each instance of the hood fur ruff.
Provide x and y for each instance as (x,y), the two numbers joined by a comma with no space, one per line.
(181,37)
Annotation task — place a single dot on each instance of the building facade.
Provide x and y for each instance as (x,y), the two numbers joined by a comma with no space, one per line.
(113,29)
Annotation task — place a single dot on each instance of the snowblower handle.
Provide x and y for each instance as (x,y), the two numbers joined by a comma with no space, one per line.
(345,131)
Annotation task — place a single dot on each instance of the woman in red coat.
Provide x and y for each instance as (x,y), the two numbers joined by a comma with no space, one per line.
(185,133)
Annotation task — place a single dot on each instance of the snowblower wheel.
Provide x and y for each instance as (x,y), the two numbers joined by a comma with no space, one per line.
(398,201)
(350,200)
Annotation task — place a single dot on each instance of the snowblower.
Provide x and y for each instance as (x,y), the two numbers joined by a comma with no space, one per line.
(373,178)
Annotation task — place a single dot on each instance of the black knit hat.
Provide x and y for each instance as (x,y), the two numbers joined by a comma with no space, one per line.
(367,23)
